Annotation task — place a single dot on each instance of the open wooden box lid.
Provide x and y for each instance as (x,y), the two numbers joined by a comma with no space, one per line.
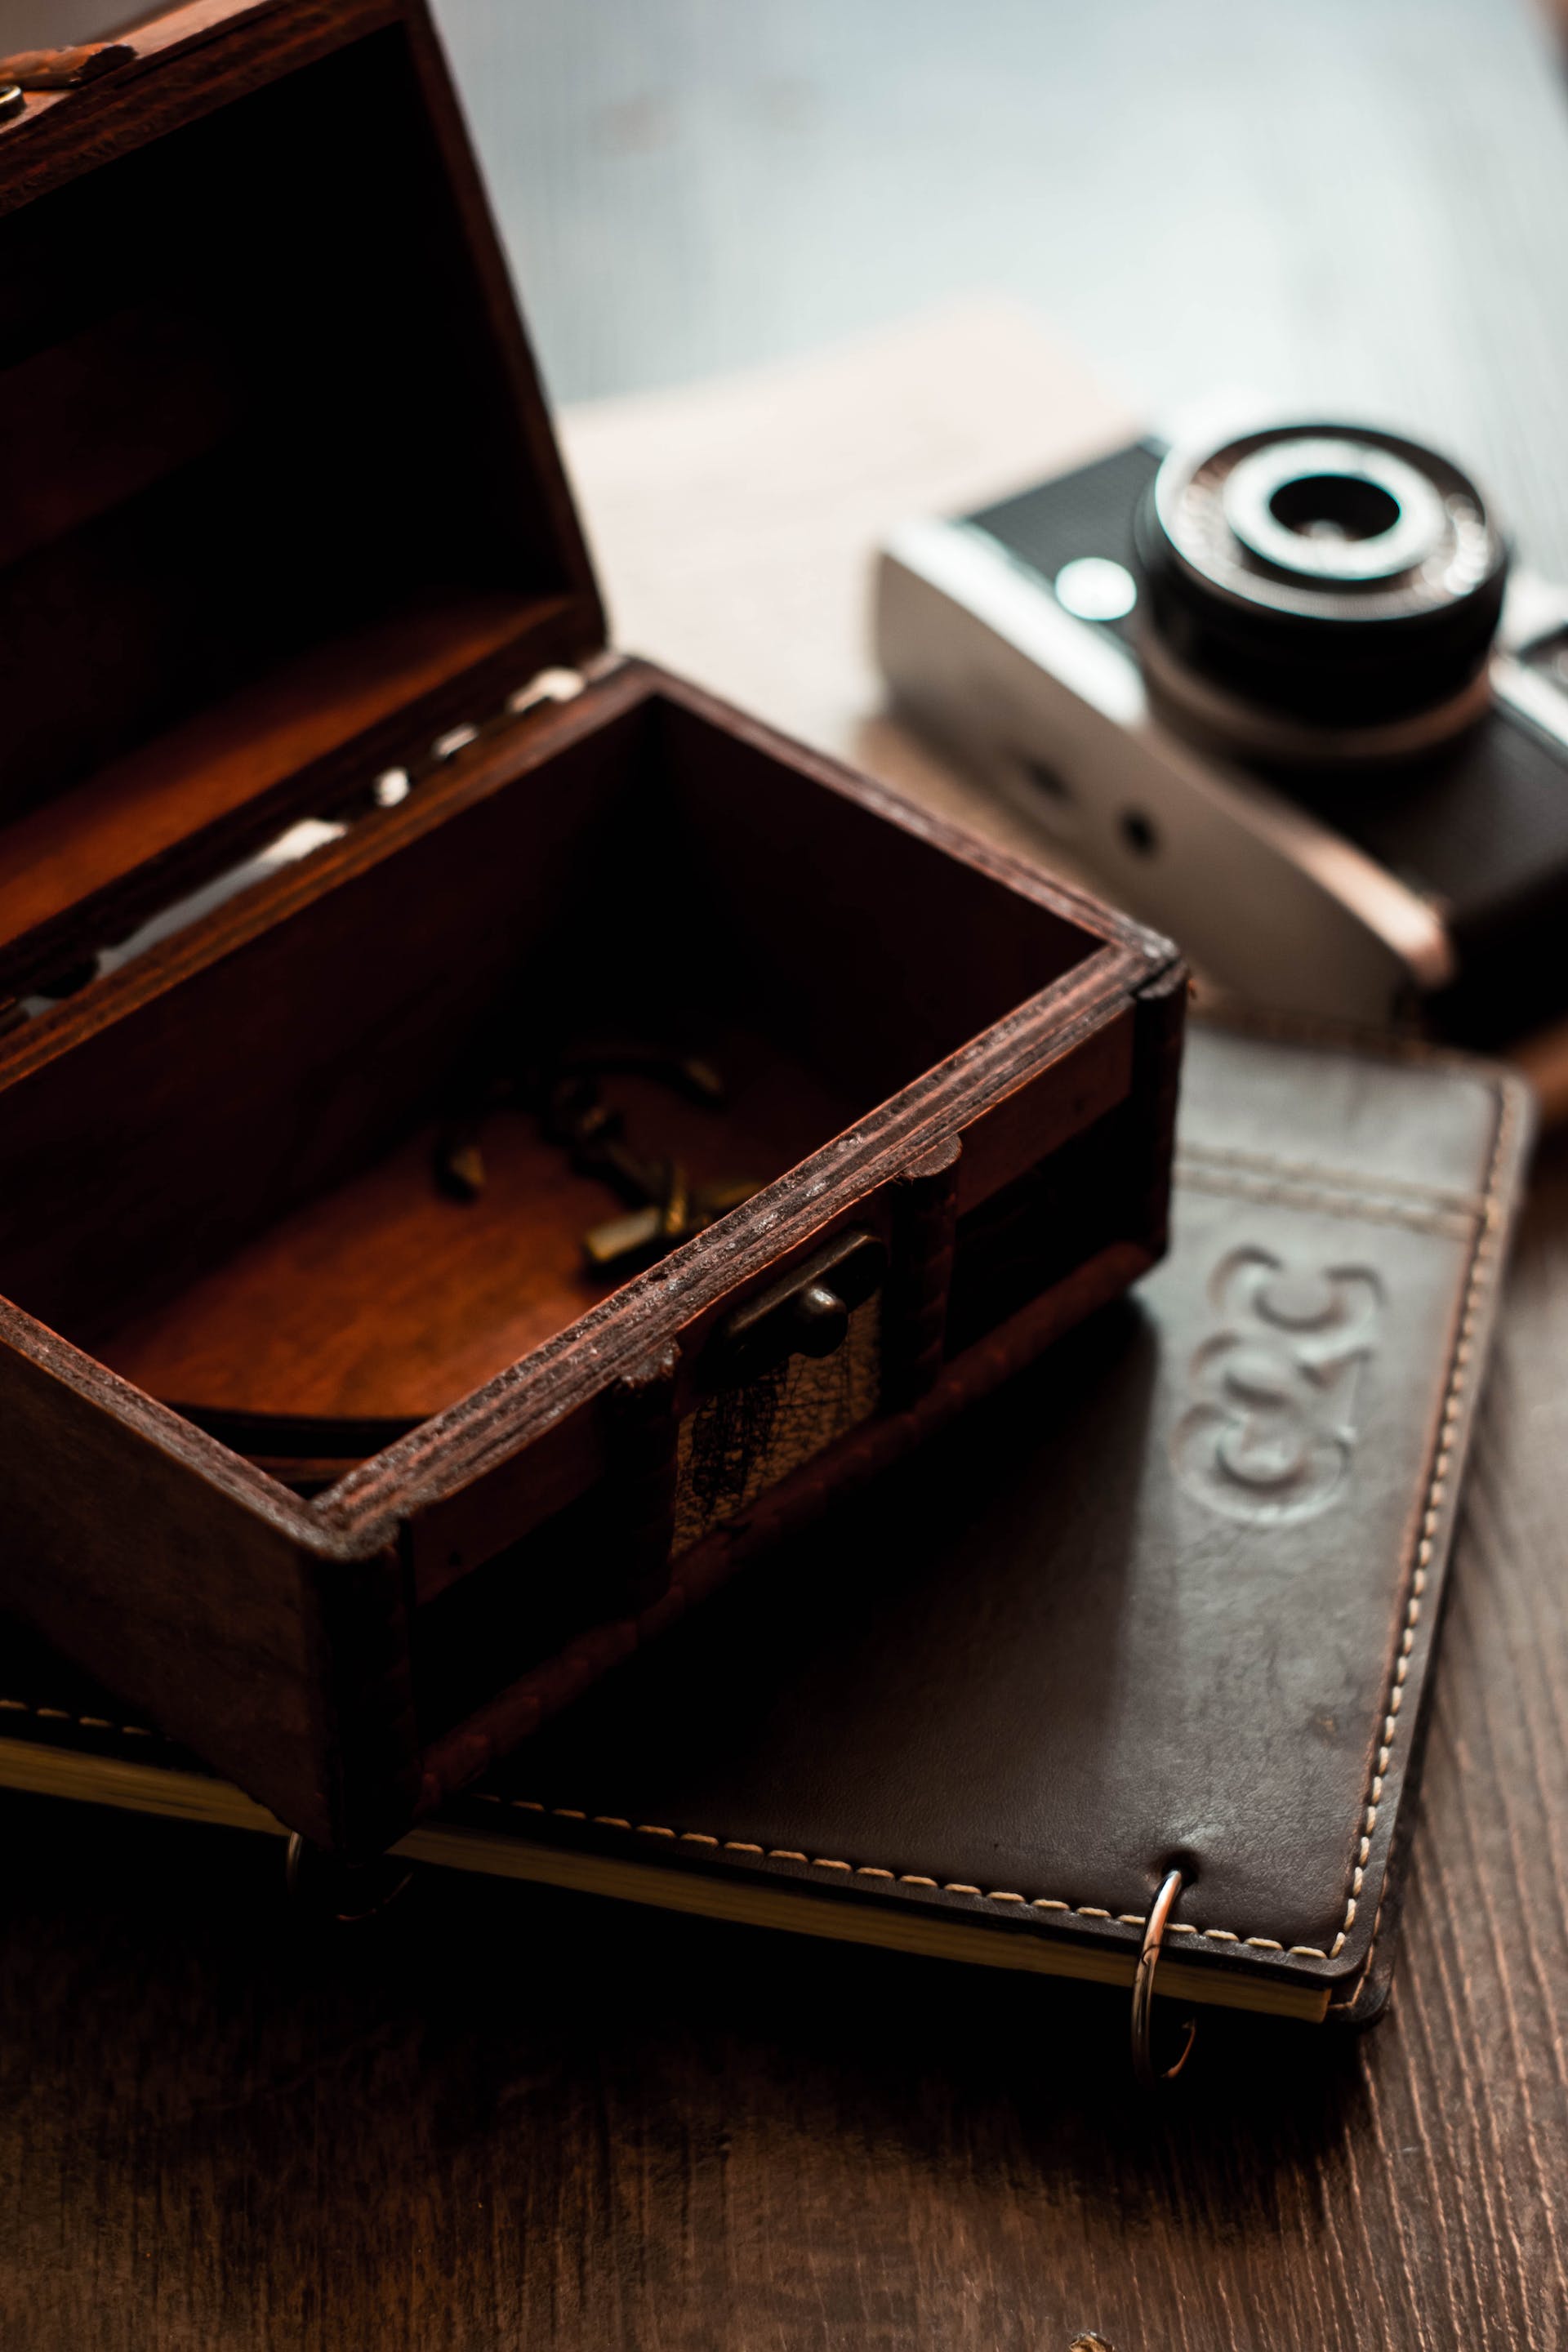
(280,497)
(285,512)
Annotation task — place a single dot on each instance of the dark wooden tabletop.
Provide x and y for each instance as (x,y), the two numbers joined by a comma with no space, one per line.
(500,2117)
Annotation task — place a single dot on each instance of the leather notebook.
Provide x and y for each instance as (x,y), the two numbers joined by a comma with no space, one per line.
(1168,1600)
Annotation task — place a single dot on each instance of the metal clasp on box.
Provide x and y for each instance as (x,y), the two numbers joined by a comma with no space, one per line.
(807,1314)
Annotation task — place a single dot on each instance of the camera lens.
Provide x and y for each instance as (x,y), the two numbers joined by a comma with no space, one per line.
(1318,592)
(1335,507)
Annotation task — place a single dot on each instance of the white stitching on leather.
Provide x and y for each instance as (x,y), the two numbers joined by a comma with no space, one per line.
(1482,1268)
(1483,1265)
(1368,1207)
(1313,1173)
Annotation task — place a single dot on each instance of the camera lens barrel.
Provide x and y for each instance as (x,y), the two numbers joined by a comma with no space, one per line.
(1318,591)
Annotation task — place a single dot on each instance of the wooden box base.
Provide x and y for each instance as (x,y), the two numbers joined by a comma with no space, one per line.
(345,1480)
(477,1474)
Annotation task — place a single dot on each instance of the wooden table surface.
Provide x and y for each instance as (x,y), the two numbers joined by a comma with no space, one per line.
(500,2117)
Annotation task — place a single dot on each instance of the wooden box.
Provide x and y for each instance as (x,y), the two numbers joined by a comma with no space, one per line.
(341,1462)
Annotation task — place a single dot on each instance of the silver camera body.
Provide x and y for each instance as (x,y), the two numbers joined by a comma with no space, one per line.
(1404,858)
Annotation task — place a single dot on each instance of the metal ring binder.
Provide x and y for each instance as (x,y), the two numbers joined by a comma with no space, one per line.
(1143,1991)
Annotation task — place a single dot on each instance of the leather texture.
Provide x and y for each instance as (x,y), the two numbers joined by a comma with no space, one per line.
(1168,1600)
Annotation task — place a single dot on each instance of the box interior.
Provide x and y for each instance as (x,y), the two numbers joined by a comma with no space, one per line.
(272,466)
(228,1193)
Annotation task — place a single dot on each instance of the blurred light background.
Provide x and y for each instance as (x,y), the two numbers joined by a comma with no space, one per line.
(1353,203)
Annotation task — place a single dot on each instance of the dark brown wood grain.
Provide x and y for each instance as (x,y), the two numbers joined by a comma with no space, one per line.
(220,1160)
(914,1305)
(290,503)
(503,2117)
(643,1438)
(506,2118)
(82,869)
(220,1188)
(225,411)
(196,1587)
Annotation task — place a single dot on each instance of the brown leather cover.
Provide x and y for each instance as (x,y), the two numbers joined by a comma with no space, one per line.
(1169,1598)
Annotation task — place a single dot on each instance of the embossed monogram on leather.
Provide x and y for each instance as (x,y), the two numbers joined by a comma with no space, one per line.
(1172,1593)
(1273,1426)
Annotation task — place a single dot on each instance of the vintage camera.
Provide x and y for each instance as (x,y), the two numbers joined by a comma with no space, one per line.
(1278,693)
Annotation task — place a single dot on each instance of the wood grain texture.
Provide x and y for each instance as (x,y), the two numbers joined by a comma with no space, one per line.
(202,524)
(203,1593)
(195,1140)
(502,2117)
(914,1303)
(191,1145)
(182,1174)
